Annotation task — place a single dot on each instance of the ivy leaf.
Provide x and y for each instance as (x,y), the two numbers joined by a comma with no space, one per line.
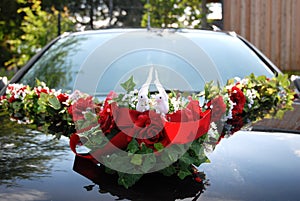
(183,173)
(90,116)
(133,146)
(145,149)
(168,171)
(129,84)
(17,106)
(159,146)
(149,162)
(186,158)
(137,159)
(54,102)
(42,102)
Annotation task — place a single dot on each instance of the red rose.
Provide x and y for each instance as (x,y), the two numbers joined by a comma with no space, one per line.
(12,98)
(196,110)
(80,106)
(2,97)
(178,116)
(237,123)
(142,120)
(39,90)
(149,129)
(192,112)
(62,97)
(237,97)
(106,119)
(218,108)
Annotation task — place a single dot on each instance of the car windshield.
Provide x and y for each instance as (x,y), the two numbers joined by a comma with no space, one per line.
(97,63)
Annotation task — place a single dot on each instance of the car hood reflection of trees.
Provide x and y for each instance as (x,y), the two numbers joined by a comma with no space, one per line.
(25,154)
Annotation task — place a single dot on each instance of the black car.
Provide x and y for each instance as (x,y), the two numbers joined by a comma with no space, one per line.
(249,165)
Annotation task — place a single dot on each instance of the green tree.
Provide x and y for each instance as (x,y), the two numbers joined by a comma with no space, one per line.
(10,22)
(95,14)
(176,14)
(39,27)
(163,13)
(127,13)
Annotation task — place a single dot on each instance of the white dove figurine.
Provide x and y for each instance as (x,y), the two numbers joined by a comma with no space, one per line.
(143,103)
(162,102)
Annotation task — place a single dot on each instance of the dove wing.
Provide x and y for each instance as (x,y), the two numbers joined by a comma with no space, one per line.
(144,89)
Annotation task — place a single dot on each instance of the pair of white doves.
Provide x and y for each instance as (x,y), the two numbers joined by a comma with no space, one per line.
(162,103)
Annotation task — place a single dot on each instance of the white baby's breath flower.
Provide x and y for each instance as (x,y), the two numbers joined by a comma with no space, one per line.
(125,97)
(56,92)
(213,132)
(76,95)
(229,87)
(244,81)
(135,91)
(251,95)
(230,106)
(237,79)
(176,103)
(211,139)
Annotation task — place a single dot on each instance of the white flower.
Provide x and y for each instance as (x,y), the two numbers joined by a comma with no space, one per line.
(211,138)
(176,103)
(244,81)
(125,97)
(213,132)
(230,106)
(76,95)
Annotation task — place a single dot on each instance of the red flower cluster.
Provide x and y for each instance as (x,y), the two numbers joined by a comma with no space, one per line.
(239,99)
(192,112)
(218,108)
(63,97)
(39,90)
(81,105)
(15,92)
(147,127)
(106,119)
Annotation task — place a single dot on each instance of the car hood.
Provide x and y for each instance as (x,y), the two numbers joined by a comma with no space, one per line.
(254,166)
(246,166)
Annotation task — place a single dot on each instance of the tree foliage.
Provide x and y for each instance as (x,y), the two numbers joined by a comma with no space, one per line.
(28,25)
(174,13)
(10,22)
(96,14)
(38,28)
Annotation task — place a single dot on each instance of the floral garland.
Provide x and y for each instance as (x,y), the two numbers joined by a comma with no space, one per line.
(179,136)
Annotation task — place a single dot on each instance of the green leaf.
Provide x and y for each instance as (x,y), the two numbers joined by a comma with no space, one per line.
(168,171)
(137,159)
(129,84)
(145,149)
(90,116)
(183,173)
(133,146)
(17,105)
(54,102)
(186,158)
(148,162)
(159,146)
